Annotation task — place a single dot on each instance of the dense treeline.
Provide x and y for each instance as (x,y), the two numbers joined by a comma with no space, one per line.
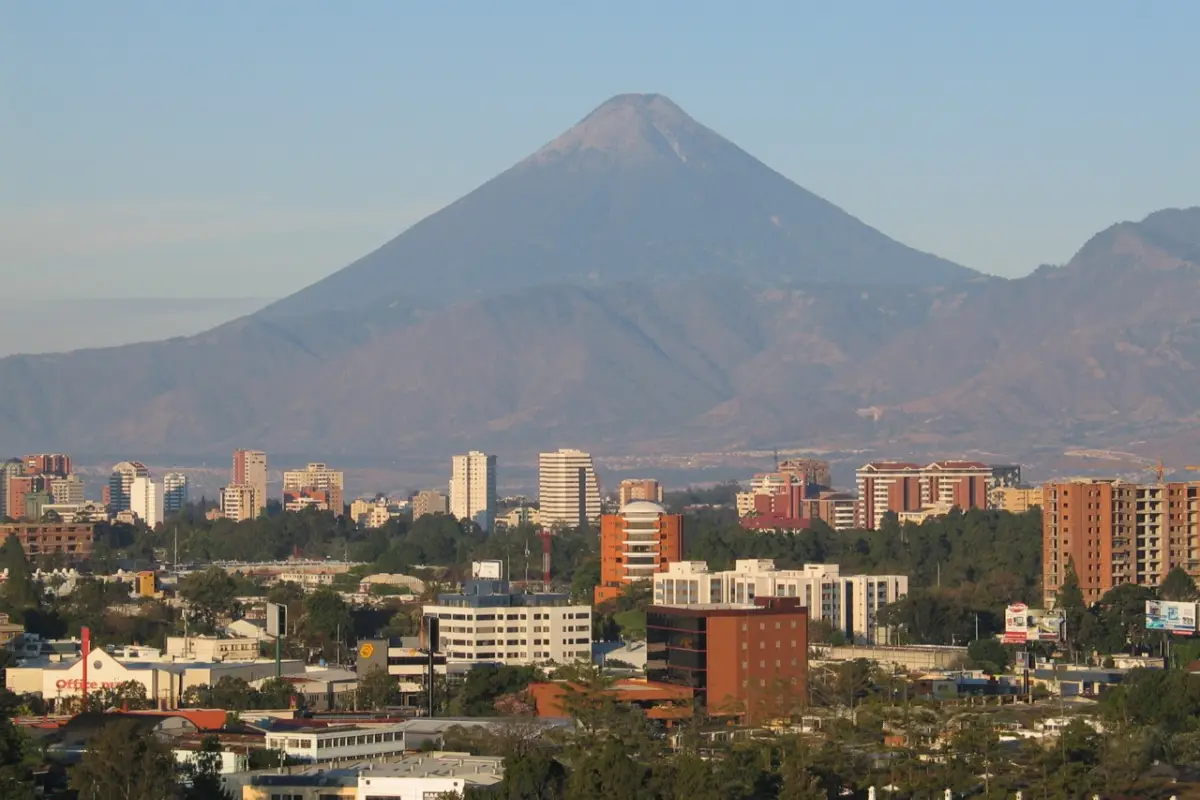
(963,568)
(615,752)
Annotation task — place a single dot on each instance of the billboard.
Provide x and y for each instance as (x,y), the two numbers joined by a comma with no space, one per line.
(1024,624)
(487,570)
(1164,615)
(276,619)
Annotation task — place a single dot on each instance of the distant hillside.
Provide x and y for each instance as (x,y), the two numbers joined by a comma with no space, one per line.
(637,191)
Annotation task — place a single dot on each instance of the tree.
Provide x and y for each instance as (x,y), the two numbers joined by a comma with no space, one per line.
(613,770)
(1178,585)
(532,775)
(277,693)
(378,690)
(486,684)
(211,595)
(988,655)
(230,693)
(327,623)
(129,695)
(204,773)
(123,762)
(20,591)
(290,594)
(1070,601)
(16,753)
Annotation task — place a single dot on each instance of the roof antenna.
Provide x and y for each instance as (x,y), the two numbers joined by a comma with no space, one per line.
(777,459)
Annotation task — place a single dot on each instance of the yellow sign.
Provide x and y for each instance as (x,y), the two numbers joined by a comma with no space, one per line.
(367,650)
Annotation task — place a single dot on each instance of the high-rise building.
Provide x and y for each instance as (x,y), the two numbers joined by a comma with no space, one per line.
(49,464)
(635,543)
(239,502)
(19,488)
(66,490)
(315,486)
(120,483)
(429,501)
(146,501)
(568,492)
(885,486)
(250,468)
(850,603)
(175,492)
(12,468)
(473,489)
(748,660)
(1114,532)
(901,487)
(835,509)
(639,489)
(539,628)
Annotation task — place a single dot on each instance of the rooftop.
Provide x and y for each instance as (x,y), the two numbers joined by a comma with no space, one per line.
(475,769)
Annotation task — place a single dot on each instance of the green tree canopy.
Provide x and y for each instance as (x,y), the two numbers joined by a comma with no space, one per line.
(378,690)
(211,594)
(1178,585)
(123,761)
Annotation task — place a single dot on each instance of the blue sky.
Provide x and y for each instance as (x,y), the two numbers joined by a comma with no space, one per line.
(235,149)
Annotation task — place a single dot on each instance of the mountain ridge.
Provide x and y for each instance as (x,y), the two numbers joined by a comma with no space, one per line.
(743,312)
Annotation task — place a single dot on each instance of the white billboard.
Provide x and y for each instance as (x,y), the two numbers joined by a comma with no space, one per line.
(487,570)
(1024,624)
(1164,615)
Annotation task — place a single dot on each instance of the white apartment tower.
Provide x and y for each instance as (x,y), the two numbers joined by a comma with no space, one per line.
(175,492)
(146,500)
(473,489)
(568,492)
(120,484)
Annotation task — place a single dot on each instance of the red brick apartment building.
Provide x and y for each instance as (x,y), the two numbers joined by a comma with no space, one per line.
(71,540)
(902,486)
(740,660)
(1115,532)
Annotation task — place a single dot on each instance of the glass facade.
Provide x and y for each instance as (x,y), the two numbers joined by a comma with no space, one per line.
(677,649)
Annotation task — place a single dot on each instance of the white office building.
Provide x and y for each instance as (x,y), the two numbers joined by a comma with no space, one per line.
(849,602)
(473,489)
(175,492)
(488,623)
(335,742)
(146,501)
(568,492)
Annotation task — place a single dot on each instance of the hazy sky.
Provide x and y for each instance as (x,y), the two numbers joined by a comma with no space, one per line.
(243,149)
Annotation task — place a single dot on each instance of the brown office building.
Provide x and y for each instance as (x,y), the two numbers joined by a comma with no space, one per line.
(807,471)
(71,540)
(749,661)
(1115,532)
(639,489)
(634,544)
